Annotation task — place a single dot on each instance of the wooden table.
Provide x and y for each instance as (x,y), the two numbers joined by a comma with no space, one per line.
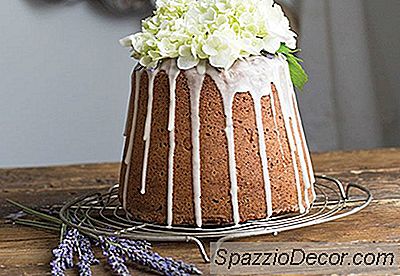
(25,250)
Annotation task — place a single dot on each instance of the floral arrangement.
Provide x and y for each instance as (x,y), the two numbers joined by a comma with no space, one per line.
(118,251)
(215,31)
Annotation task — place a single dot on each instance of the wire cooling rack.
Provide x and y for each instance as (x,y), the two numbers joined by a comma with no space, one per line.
(102,214)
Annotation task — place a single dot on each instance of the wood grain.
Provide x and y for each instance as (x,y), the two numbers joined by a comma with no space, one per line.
(27,251)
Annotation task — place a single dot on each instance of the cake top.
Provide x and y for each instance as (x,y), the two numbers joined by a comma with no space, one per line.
(215,31)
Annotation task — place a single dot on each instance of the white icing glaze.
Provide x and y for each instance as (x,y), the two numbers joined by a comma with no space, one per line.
(295,168)
(228,102)
(133,73)
(250,76)
(282,80)
(195,82)
(128,157)
(276,125)
(263,154)
(298,139)
(254,75)
(228,94)
(147,128)
(307,152)
(173,72)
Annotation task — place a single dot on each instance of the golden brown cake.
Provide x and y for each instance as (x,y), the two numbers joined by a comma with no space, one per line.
(214,147)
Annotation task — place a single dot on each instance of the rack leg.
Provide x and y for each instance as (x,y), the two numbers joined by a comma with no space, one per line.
(200,246)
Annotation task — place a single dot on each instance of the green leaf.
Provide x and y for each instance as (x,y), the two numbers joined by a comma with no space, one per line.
(297,74)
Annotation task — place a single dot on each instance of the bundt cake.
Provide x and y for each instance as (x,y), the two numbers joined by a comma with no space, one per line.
(213,133)
(214,148)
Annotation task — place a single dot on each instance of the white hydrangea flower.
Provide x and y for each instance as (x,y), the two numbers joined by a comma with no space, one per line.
(214,31)
(186,59)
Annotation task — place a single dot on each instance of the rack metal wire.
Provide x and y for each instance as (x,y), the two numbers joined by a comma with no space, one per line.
(102,214)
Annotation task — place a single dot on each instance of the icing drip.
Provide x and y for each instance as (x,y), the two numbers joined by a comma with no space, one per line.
(295,167)
(225,82)
(135,69)
(298,140)
(288,115)
(228,102)
(173,73)
(238,80)
(307,152)
(276,125)
(195,83)
(303,167)
(138,75)
(263,154)
(147,129)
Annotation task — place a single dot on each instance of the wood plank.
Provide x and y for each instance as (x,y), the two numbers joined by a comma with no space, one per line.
(53,185)
(30,250)
(340,161)
(27,251)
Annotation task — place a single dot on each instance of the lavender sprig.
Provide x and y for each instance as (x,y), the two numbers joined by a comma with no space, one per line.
(165,266)
(140,252)
(126,243)
(85,255)
(115,257)
(117,250)
(64,253)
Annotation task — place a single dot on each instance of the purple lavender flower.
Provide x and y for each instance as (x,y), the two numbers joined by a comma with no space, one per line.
(84,268)
(64,253)
(85,255)
(117,251)
(126,243)
(165,266)
(115,257)
(140,252)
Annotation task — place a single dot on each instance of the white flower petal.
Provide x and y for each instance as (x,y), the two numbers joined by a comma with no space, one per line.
(207,49)
(201,67)
(187,62)
(145,61)
(291,42)
(127,41)
(222,61)
(271,44)
(184,51)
